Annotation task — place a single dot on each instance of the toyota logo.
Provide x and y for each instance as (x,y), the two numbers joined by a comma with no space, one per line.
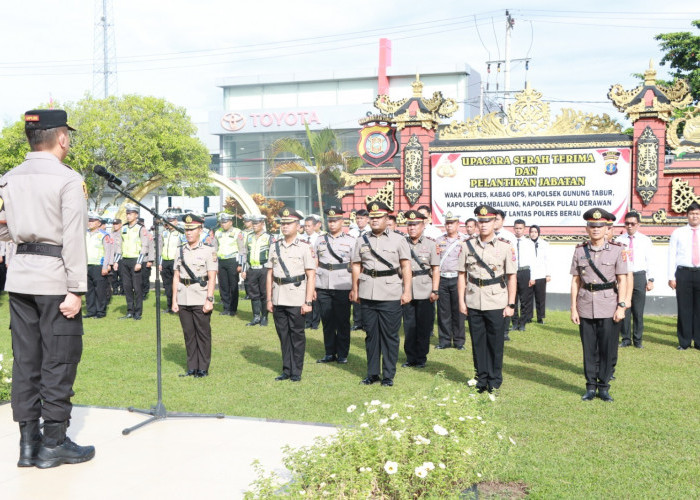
(233,121)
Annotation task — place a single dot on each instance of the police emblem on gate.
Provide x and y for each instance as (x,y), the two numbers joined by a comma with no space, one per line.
(377,144)
(611,158)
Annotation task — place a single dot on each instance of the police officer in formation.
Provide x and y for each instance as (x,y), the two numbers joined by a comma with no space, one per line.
(43,211)
(169,241)
(149,261)
(256,249)
(362,227)
(116,235)
(312,231)
(229,243)
(487,286)
(419,313)
(135,244)
(290,271)
(99,255)
(194,281)
(451,332)
(381,283)
(333,252)
(598,292)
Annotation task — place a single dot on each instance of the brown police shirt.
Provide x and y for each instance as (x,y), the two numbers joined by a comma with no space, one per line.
(297,257)
(343,246)
(500,257)
(200,259)
(426,251)
(391,247)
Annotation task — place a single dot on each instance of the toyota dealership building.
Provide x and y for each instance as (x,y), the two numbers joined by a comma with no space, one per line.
(258,110)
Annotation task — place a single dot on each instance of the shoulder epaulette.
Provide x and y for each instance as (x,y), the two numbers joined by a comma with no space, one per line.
(503,240)
(616,243)
(430,239)
(207,244)
(304,241)
(580,245)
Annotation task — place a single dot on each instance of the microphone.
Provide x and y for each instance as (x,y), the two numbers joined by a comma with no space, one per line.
(103,172)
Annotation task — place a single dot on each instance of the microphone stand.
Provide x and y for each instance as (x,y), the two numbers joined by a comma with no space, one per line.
(158,411)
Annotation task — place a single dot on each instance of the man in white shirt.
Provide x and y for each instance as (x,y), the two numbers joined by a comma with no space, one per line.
(362,222)
(430,231)
(470,229)
(639,250)
(684,271)
(498,228)
(528,272)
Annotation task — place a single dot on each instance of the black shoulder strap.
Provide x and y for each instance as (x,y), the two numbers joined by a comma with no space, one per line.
(279,256)
(590,263)
(330,249)
(187,268)
(375,254)
(479,260)
(413,254)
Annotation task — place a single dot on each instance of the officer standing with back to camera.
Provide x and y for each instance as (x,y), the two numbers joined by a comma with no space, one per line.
(419,313)
(99,254)
(290,288)
(43,211)
(169,243)
(229,241)
(194,281)
(381,283)
(134,251)
(256,252)
(598,290)
(487,286)
(333,251)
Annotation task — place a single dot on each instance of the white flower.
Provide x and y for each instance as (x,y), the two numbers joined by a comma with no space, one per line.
(500,436)
(366,403)
(469,451)
(362,469)
(441,465)
(511,440)
(397,434)
(408,417)
(492,397)
(470,417)
(421,440)
(394,415)
(371,410)
(364,424)
(420,472)
(383,421)
(461,419)
(325,493)
(352,408)
(1,357)
(471,382)
(410,406)
(391,467)
(478,418)
(375,402)
(7,380)
(438,429)
(445,398)
(441,404)
(323,455)
(322,485)
(302,492)
(332,476)
(428,465)
(478,474)
(386,406)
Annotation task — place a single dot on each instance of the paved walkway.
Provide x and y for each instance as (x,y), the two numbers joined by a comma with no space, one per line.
(171,458)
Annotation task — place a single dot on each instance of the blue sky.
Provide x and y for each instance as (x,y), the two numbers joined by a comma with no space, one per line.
(181,50)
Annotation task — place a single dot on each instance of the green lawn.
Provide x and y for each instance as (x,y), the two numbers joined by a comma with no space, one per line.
(644,445)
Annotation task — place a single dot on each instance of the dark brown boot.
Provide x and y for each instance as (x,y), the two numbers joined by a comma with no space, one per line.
(29,441)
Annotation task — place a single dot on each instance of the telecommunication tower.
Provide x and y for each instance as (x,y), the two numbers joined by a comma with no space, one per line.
(104,78)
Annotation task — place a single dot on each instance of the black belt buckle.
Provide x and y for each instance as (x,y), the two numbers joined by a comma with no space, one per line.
(373,273)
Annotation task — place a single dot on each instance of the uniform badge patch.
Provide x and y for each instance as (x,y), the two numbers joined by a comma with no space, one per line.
(85,191)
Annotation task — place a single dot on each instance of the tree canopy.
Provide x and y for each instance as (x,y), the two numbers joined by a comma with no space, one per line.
(682,53)
(137,138)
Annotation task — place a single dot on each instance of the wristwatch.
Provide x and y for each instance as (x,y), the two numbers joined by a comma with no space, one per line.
(309,304)
(436,292)
(621,304)
(512,306)
(651,279)
(211,299)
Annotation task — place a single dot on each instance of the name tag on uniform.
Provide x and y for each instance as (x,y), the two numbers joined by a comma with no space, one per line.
(364,248)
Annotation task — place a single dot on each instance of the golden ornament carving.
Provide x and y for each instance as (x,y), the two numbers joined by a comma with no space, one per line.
(385,195)
(664,101)
(690,142)
(682,195)
(529,116)
(413,170)
(529,146)
(647,165)
(350,180)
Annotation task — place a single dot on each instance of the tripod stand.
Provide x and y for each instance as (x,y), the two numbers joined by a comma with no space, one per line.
(158,411)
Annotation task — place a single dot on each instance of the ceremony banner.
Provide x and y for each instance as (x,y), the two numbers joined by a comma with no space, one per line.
(547,188)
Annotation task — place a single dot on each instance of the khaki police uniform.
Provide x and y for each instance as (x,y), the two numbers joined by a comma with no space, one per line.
(191,295)
(170,241)
(228,250)
(99,249)
(596,302)
(419,313)
(451,331)
(380,290)
(288,295)
(45,215)
(135,244)
(256,250)
(486,297)
(116,279)
(333,284)
(148,265)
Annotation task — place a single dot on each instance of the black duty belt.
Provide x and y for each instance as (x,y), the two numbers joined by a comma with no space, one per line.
(288,280)
(378,274)
(422,272)
(40,249)
(334,267)
(686,268)
(188,281)
(597,287)
(491,281)
(524,268)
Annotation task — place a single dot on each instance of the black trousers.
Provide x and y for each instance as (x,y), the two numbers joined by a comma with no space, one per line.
(228,284)
(146,277)
(540,293)
(133,286)
(334,309)
(357,316)
(599,341)
(523,298)
(688,299)
(96,297)
(636,312)
(486,329)
(47,348)
(382,320)
(450,320)
(167,275)
(117,288)
(289,323)
(257,283)
(196,327)
(313,319)
(3,273)
(418,319)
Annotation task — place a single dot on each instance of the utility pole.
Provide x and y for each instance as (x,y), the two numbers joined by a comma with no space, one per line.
(104,78)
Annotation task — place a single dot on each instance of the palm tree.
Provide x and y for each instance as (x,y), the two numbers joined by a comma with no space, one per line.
(320,157)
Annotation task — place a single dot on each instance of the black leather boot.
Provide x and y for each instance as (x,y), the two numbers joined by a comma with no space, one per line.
(29,441)
(57,448)
(263,320)
(256,313)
